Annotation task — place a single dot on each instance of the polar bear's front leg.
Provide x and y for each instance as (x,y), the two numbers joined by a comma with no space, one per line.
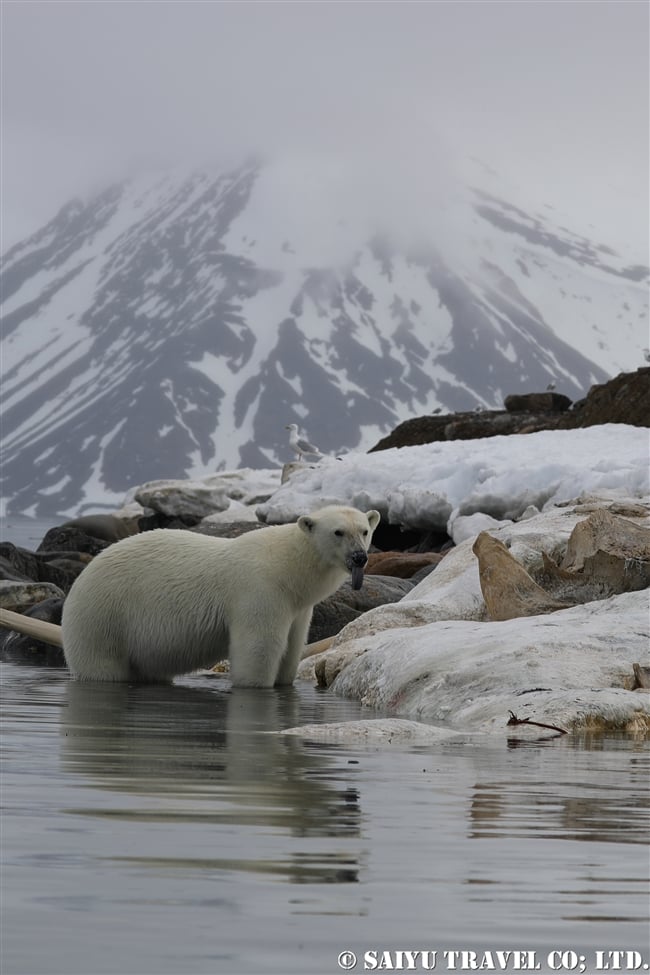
(295,646)
(255,654)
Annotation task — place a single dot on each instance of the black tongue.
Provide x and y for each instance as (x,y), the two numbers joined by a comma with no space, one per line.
(357,576)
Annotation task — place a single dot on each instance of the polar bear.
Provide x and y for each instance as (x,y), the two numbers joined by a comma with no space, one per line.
(168,602)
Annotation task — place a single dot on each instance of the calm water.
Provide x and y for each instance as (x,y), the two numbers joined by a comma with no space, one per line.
(163,830)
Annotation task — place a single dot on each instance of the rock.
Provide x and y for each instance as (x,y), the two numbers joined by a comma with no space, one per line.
(508,590)
(372,731)
(327,666)
(624,399)
(641,677)
(537,403)
(332,614)
(401,565)
(435,656)
(9,572)
(462,426)
(68,538)
(422,573)
(209,495)
(59,568)
(227,529)
(20,648)
(183,498)
(108,528)
(611,549)
(569,587)
(20,596)
(570,669)
(235,512)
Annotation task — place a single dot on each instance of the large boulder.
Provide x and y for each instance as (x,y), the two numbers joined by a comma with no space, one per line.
(624,399)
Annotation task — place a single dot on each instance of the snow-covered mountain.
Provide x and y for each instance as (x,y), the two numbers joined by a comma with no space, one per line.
(173,325)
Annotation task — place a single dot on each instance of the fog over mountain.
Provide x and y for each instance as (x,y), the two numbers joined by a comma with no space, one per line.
(174,323)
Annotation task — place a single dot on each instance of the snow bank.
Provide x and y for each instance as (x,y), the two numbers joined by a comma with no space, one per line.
(429,486)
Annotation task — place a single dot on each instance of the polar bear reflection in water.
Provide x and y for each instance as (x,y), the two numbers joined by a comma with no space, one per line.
(166,602)
(207,766)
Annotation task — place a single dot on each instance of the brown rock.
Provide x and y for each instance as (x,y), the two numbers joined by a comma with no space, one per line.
(509,592)
(401,565)
(624,399)
(611,550)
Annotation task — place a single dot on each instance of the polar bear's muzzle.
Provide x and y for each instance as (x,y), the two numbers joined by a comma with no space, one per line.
(356,562)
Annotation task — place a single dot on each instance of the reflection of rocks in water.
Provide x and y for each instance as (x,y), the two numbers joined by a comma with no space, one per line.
(550,809)
(189,755)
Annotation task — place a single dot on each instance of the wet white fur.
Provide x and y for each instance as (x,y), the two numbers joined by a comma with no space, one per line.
(166,602)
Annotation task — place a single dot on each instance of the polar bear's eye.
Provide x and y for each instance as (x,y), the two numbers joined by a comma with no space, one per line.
(339,533)
(364,532)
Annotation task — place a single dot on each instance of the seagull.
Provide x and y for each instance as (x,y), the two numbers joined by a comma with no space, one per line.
(298,445)
(550,387)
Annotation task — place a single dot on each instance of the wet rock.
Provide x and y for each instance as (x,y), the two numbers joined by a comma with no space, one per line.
(508,590)
(373,730)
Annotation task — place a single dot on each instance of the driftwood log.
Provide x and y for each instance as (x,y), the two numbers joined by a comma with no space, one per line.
(39,629)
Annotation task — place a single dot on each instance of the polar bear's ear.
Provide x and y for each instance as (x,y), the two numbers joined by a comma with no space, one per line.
(373,519)
(306,524)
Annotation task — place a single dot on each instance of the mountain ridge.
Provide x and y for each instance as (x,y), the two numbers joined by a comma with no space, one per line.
(165,329)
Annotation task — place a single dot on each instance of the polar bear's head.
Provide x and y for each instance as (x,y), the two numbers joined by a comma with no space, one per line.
(342,537)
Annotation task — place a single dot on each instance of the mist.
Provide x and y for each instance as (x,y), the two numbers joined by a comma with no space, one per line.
(372,109)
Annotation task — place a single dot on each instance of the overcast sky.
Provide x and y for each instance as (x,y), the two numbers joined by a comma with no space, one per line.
(552,94)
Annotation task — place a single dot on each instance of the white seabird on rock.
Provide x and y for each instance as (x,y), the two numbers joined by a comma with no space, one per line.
(300,446)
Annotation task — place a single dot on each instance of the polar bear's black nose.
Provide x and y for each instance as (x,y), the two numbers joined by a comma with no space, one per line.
(359,557)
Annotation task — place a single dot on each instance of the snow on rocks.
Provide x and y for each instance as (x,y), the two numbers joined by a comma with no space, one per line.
(431,485)
(434,656)
(569,668)
(215,494)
